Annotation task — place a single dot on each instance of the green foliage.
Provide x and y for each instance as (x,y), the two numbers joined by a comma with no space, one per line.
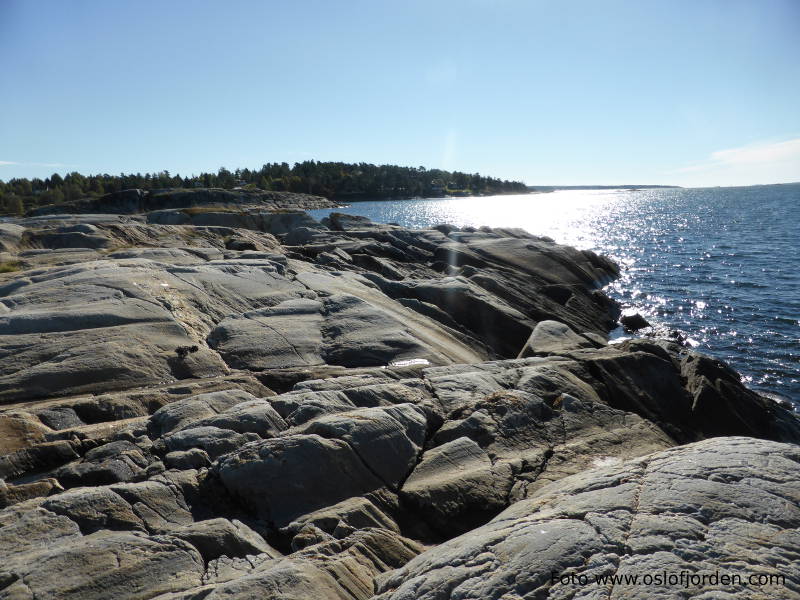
(10,267)
(335,180)
(201,210)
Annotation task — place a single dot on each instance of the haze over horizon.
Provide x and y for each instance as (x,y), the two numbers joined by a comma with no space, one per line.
(577,93)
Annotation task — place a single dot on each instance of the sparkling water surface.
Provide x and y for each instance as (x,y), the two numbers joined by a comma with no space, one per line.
(720,265)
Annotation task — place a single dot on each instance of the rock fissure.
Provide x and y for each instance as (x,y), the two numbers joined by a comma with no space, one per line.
(624,547)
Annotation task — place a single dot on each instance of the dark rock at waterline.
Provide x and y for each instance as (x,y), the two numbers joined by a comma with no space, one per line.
(219,403)
(634,322)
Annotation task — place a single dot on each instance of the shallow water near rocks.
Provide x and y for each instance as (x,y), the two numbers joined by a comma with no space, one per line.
(720,265)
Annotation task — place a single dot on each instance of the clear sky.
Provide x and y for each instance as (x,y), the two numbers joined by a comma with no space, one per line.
(696,92)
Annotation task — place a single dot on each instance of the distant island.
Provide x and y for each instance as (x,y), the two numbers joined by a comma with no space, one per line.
(335,180)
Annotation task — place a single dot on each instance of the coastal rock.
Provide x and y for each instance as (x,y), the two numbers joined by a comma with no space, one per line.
(110,463)
(276,223)
(388,440)
(634,322)
(283,478)
(20,430)
(332,570)
(119,327)
(456,486)
(658,513)
(220,537)
(161,502)
(225,399)
(353,513)
(141,201)
(256,417)
(720,403)
(287,335)
(213,440)
(95,509)
(182,413)
(499,325)
(103,565)
(552,337)
(10,236)
(194,458)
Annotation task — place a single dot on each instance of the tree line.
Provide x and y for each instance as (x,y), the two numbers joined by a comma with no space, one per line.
(335,180)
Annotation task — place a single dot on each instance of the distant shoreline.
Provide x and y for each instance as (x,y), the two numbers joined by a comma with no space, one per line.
(551,188)
(348,200)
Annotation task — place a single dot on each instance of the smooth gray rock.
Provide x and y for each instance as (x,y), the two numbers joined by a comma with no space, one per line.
(159,503)
(183,413)
(361,313)
(95,509)
(501,326)
(27,528)
(10,235)
(301,407)
(255,416)
(358,513)
(213,440)
(283,478)
(103,565)
(194,458)
(388,439)
(552,337)
(727,505)
(99,327)
(362,335)
(110,463)
(220,537)
(287,335)
(455,486)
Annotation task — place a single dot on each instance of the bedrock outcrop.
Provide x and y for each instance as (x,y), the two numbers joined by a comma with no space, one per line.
(141,201)
(250,403)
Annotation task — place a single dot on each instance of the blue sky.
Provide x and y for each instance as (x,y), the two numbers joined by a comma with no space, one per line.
(694,92)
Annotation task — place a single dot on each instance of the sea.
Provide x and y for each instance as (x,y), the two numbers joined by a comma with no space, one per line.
(721,266)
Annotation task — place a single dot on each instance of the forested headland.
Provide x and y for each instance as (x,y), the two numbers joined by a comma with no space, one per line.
(334,180)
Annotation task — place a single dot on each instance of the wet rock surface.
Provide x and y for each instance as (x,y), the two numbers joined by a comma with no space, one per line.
(237,404)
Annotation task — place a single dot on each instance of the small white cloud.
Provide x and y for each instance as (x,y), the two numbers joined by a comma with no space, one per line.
(762,162)
(7,162)
(759,153)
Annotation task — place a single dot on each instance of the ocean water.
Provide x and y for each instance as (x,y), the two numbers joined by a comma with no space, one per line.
(719,265)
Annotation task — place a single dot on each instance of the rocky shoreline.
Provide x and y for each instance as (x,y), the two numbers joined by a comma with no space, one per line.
(208,394)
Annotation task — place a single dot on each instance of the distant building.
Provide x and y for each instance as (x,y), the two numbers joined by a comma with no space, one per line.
(437,186)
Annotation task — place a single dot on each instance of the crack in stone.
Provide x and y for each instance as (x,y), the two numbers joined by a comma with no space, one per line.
(634,512)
